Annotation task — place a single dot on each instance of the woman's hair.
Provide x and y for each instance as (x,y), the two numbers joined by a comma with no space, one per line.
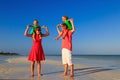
(37,28)
(65,17)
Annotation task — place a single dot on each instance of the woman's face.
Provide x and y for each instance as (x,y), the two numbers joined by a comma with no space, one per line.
(37,31)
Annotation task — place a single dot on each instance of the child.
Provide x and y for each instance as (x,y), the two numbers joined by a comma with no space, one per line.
(67,22)
(35,24)
(36,53)
(66,35)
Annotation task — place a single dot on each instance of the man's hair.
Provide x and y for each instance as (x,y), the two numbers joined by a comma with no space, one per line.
(64,25)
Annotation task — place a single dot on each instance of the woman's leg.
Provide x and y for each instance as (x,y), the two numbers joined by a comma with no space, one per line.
(32,68)
(39,68)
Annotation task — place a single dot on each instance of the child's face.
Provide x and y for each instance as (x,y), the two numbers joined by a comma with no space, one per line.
(63,19)
(35,23)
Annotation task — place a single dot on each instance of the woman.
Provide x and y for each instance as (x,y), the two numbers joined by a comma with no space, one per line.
(36,53)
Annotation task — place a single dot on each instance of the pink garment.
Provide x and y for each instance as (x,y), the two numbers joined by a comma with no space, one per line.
(67,40)
(37,53)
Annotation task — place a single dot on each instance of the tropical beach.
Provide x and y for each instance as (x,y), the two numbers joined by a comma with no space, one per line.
(17,67)
(42,39)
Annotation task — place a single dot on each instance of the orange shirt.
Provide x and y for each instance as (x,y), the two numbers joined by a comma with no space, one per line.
(67,40)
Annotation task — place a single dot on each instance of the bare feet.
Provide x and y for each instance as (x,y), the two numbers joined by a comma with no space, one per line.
(64,74)
(32,75)
(39,75)
(71,75)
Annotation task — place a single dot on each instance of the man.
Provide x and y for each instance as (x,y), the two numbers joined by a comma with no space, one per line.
(66,35)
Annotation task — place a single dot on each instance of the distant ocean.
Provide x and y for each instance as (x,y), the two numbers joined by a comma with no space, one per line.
(106,61)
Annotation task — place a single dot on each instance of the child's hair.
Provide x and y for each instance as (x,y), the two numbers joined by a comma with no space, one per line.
(36,20)
(65,17)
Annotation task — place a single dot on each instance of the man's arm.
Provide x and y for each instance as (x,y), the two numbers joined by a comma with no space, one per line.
(58,29)
(60,35)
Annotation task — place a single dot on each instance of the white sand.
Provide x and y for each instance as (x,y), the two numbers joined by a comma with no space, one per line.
(18,68)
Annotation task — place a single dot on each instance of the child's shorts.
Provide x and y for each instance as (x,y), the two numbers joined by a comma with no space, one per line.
(66,56)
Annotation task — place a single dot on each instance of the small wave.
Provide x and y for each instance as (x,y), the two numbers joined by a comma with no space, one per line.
(17,60)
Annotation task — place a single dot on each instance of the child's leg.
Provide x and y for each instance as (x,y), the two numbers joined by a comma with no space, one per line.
(39,68)
(33,36)
(71,70)
(32,68)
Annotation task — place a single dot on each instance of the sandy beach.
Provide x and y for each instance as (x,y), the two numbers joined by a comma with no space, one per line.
(18,68)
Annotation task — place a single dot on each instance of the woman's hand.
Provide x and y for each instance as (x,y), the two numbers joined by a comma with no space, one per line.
(47,32)
(26,31)
(44,27)
(28,26)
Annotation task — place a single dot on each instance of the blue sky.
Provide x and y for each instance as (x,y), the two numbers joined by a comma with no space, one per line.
(97,24)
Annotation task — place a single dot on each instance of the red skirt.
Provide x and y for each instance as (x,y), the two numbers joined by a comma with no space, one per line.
(36,53)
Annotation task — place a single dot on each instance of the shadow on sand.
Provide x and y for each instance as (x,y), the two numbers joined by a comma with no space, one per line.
(82,71)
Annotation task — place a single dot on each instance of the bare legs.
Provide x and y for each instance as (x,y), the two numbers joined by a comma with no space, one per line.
(71,71)
(32,68)
(66,69)
(32,65)
(39,68)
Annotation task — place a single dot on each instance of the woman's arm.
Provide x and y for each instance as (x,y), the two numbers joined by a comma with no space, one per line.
(47,31)
(26,32)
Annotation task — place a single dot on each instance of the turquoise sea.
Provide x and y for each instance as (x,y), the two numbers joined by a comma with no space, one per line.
(105,61)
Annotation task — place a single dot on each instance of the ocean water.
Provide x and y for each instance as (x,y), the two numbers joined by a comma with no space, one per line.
(105,61)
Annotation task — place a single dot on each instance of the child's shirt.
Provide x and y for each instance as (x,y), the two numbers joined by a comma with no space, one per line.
(68,23)
(33,28)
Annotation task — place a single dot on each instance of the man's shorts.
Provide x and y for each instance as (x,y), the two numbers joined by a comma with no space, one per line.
(66,56)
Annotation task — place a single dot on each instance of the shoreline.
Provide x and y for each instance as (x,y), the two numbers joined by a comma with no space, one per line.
(18,68)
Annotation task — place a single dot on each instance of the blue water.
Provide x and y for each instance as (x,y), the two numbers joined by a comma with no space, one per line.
(4,58)
(106,61)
